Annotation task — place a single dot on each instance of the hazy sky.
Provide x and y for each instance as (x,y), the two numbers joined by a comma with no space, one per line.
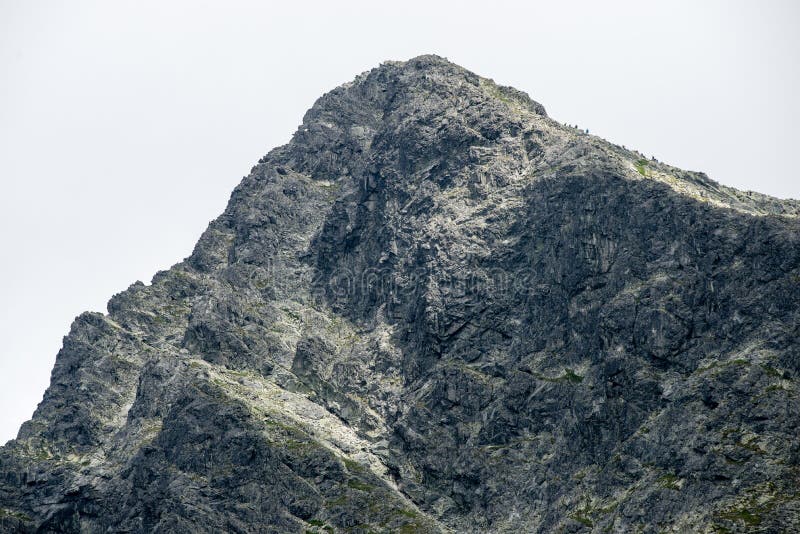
(125,125)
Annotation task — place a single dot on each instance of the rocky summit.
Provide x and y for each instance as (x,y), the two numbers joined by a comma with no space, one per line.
(436,309)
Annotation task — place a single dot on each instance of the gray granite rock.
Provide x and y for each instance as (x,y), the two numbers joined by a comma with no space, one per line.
(438,310)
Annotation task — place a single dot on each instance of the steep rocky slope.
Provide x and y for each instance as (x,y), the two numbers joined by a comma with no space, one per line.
(438,310)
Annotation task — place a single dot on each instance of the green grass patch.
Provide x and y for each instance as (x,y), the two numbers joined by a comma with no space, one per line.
(360,486)
(751,446)
(338,501)
(669,481)
(582,519)
(771,371)
(5,512)
(352,466)
(570,376)
(749,518)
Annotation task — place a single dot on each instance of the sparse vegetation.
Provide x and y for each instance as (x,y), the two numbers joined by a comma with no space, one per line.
(568,376)
(358,485)
(5,512)
(745,516)
(582,519)
(669,481)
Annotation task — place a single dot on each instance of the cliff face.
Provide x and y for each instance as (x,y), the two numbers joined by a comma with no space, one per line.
(436,309)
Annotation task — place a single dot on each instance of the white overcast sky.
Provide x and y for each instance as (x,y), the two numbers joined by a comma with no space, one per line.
(125,125)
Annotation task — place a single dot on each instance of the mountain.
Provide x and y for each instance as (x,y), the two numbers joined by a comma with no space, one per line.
(436,309)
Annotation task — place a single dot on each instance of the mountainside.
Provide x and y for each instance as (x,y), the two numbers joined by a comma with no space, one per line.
(438,310)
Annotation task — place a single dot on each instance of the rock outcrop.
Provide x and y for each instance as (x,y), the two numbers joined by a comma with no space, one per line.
(438,310)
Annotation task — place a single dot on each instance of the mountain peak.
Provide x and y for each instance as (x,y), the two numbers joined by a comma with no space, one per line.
(425,84)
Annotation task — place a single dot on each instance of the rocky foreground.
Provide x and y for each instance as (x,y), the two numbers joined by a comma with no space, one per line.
(438,310)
